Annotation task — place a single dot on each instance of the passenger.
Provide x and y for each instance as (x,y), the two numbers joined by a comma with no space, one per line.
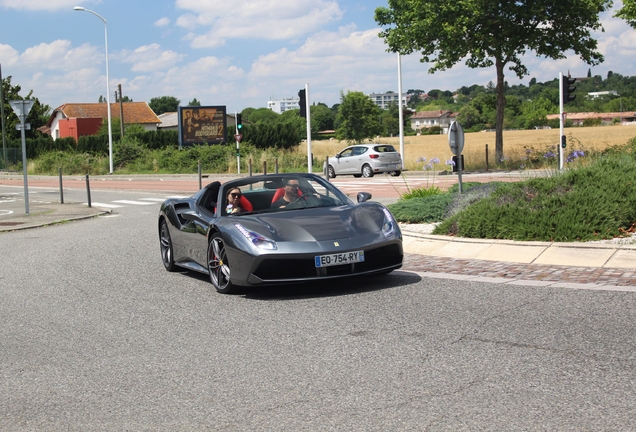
(234,201)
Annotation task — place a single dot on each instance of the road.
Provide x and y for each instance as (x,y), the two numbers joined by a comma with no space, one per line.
(380,185)
(96,335)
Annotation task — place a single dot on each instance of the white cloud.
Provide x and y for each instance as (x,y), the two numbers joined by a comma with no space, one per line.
(37,5)
(162,22)
(59,55)
(269,19)
(8,55)
(149,58)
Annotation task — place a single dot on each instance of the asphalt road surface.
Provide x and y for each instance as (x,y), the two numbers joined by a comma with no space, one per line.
(96,335)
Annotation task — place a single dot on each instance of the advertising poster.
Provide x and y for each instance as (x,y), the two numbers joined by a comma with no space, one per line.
(202,125)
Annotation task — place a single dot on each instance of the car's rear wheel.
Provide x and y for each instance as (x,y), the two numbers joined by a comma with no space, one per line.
(367,171)
(218,265)
(331,171)
(166,247)
(396,173)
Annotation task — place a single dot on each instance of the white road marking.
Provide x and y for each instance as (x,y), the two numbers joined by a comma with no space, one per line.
(132,202)
(96,204)
(154,199)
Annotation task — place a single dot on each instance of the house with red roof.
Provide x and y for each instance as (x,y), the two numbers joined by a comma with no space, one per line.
(79,119)
(427,119)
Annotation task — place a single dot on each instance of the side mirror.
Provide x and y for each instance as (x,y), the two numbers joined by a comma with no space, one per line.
(337,155)
(189,215)
(364,196)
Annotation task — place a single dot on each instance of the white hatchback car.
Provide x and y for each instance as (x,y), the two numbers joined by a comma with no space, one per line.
(365,160)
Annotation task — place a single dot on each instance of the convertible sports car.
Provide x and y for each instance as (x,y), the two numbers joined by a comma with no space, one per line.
(319,234)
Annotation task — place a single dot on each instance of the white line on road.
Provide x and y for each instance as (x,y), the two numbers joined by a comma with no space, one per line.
(132,202)
(96,204)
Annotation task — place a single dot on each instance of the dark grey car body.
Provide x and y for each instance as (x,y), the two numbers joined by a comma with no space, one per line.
(273,246)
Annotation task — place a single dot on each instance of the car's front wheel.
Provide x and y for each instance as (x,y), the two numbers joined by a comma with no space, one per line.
(367,171)
(218,266)
(166,247)
(331,172)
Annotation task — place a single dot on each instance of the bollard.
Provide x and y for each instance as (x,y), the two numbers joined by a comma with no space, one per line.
(199,168)
(486,157)
(264,167)
(276,166)
(88,191)
(249,166)
(327,168)
(59,170)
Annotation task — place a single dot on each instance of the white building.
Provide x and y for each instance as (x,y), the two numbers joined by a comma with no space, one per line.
(281,105)
(383,100)
(594,95)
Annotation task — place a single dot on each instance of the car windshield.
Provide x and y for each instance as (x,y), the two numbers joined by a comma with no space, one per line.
(279,193)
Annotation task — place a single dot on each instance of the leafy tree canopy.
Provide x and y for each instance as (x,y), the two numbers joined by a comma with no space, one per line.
(194,102)
(38,116)
(358,117)
(487,33)
(628,12)
(164,104)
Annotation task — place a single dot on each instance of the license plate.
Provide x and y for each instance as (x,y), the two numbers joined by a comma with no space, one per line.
(339,258)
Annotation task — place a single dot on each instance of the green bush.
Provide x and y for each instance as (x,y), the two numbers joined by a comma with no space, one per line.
(584,203)
(421,210)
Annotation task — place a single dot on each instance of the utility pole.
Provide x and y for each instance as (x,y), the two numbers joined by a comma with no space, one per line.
(4,135)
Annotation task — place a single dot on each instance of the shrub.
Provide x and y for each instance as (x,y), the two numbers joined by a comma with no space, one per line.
(584,203)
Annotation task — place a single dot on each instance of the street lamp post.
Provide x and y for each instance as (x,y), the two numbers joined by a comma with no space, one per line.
(110,129)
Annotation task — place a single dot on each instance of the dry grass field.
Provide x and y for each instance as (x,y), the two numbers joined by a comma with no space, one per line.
(515,144)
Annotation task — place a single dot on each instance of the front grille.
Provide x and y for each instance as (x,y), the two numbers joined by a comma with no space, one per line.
(294,268)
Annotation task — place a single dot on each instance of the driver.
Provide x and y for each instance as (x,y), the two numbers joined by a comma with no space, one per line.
(291,195)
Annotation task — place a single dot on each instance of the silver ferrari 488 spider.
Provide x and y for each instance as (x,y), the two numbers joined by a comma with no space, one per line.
(275,229)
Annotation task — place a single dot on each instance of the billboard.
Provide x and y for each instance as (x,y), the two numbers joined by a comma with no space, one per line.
(202,125)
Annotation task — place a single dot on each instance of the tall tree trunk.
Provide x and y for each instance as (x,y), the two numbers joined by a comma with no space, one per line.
(501,104)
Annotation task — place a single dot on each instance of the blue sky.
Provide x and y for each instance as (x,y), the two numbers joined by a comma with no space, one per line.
(236,53)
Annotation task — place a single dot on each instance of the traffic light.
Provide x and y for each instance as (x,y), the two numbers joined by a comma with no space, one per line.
(568,89)
(239,122)
(302,103)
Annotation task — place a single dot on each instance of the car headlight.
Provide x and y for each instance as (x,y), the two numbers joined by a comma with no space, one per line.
(256,239)
(388,226)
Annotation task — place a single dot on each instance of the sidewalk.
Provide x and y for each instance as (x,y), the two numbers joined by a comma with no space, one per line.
(600,255)
(47,214)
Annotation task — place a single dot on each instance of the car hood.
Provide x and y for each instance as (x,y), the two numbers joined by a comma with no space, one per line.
(317,224)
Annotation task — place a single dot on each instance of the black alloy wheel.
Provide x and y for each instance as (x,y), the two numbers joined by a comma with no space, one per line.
(166,247)
(218,266)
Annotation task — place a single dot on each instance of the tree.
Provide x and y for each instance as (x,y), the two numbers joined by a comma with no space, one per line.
(164,104)
(194,102)
(628,12)
(38,116)
(358,117)
(488,33)
(263,115)
(322,118)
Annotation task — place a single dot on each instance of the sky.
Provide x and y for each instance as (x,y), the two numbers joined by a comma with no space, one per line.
(239,53)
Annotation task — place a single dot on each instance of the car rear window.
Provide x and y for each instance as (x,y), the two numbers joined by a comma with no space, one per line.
(384,148)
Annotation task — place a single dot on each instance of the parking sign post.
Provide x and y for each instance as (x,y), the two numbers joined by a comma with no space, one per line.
(21,109)
(456,143)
